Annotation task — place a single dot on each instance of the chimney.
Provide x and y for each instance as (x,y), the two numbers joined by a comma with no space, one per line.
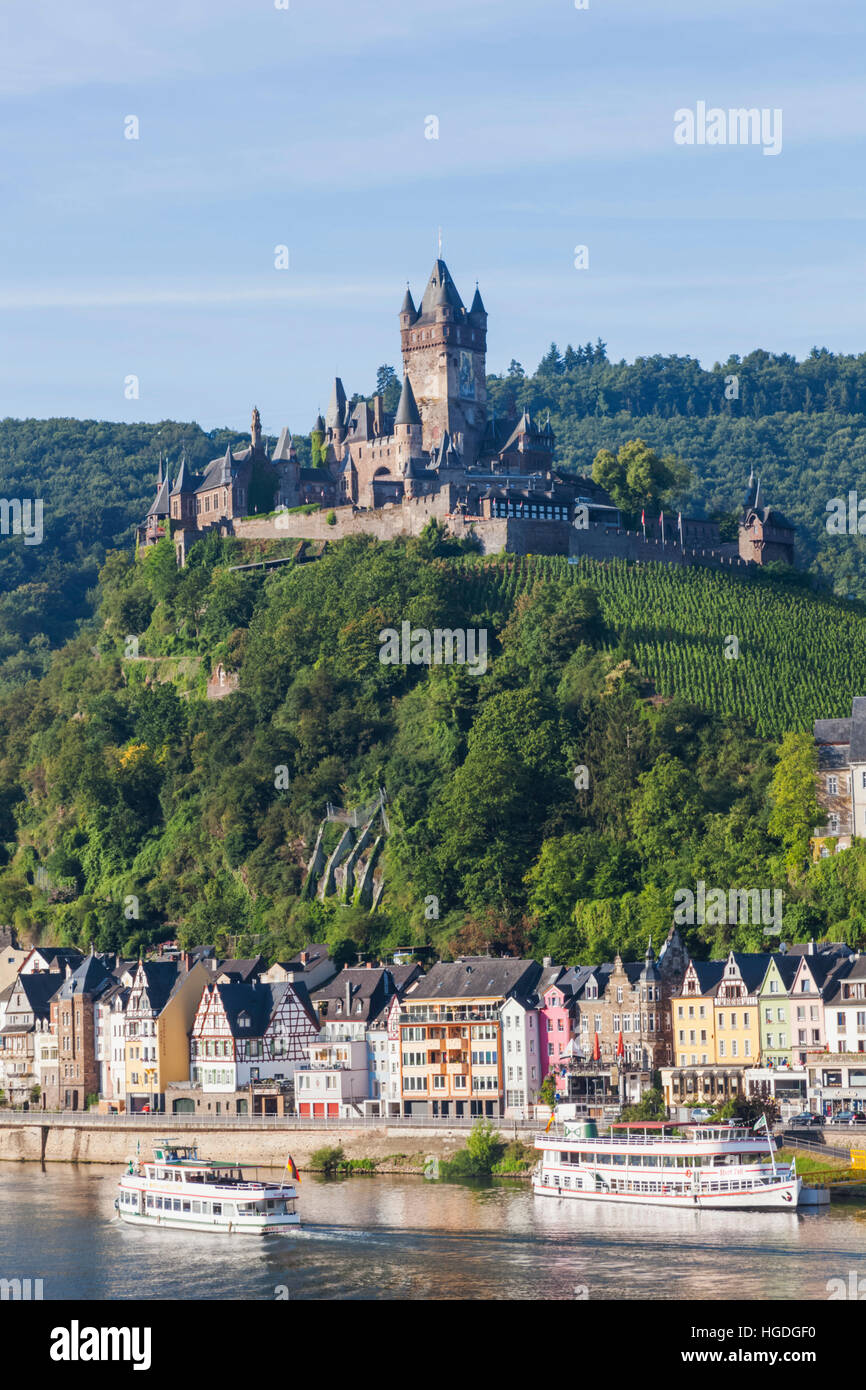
(348,996)
(378,415)
(812,946)
(305,956)
(547,962)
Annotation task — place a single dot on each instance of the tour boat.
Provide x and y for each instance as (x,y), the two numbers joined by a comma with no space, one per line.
(180,1189)
(719,1165)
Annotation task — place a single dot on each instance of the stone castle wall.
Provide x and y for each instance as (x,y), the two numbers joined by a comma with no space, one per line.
(514,535)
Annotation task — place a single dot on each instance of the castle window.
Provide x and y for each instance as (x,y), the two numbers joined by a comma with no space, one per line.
(833,786)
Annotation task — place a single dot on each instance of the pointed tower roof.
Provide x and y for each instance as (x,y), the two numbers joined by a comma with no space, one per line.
(159,506)
(285,448)
(408,305)
(441,291)
(407,410)
(318,423)
(336,413)
(183,482)
(477,302)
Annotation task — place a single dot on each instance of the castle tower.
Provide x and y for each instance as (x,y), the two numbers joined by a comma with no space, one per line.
(407,428)
(256,430)
(444,350)
(335,417)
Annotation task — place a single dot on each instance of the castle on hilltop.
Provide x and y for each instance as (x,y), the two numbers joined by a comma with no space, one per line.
(440,456)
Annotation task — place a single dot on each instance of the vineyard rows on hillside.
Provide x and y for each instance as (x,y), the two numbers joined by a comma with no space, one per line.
(801,655)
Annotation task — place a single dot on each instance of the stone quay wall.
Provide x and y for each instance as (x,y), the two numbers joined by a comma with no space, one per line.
(400,1150)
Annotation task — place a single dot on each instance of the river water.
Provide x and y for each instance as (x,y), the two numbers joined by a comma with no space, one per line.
(405,1238)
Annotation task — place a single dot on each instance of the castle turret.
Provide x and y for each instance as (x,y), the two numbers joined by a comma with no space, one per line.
(335,416)
(478,311)
(444,355)
(408,312)
(407,416)
(182,499)
(256,431)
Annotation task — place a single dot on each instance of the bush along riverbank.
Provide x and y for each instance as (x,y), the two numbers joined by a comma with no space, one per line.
(333,1162)
(485,1155)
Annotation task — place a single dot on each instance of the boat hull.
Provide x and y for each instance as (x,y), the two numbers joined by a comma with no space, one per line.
(238,1227)
(784,1197)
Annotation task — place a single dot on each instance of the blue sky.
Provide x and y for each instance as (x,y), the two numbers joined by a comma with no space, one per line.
(306,127)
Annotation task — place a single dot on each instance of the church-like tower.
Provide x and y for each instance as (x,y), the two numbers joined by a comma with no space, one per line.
(444,349)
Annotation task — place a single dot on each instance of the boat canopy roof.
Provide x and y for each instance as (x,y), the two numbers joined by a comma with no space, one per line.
(679,1124)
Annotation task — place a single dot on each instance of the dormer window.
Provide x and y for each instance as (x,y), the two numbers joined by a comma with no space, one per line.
(243,1020)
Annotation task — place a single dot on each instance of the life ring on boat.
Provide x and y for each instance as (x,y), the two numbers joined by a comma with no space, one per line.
(688,1172)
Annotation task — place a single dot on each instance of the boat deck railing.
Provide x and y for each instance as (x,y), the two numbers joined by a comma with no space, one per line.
(225,1184)
(740,1136)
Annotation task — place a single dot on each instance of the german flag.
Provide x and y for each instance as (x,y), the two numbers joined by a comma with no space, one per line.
(292,1170)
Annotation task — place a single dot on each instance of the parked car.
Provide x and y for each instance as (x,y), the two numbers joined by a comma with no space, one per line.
(808,1117)
(699,1113)
(848,1117)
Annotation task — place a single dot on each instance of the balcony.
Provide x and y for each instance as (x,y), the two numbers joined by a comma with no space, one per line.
(466,1014)
(831,830)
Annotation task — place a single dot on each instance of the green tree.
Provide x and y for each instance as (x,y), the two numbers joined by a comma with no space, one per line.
(636,475)
(795,809)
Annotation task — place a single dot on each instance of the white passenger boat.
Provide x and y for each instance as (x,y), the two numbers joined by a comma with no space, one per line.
(720,1165)
(180,1189)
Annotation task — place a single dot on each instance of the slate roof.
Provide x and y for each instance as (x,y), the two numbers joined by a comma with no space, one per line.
(58,957)
(407,410)
(91,977)
(477,977)
(752,968)
(709,973)
(787,967)
(403,975)
(160,505)
(441,291)
(856,971)
(823,948)
(184,480)
(851,733)
(285,447)
(368,993)
(162,978)
(258,1001)
(824,969)
(315,953)
(39,990)
(242,971)
(335,415)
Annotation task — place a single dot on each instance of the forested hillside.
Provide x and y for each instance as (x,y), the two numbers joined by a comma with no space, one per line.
(133,807)
(96,480)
